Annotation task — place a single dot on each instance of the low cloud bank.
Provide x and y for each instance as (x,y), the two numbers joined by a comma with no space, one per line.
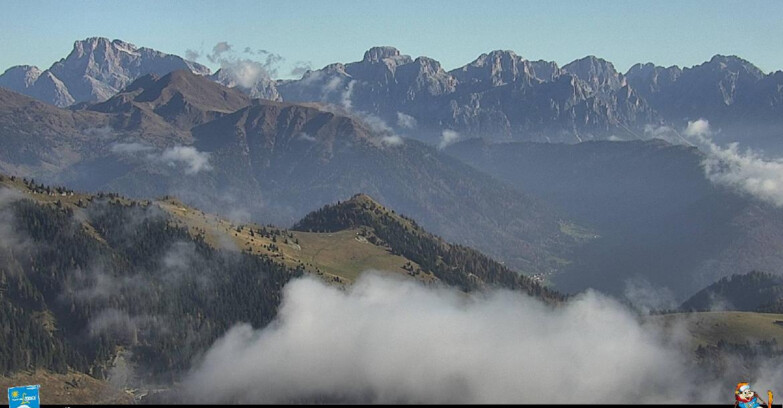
(385,340)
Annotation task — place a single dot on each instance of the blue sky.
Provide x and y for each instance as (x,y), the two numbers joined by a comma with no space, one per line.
(666,32)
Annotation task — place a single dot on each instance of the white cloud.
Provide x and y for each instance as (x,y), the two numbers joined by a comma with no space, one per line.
(658,131)
(699,127)
(331,85)
(312,77)
(95,283)
(385,340)
(304,136)
(192,55)
(120,324)
(391,140)
(301,67)
(646,297)
(244,73)
(130,148)
(193,160)
(345,98)
(666,133)
(448,137)
(218,50)
(380,127)
(189,157)
(405,121)
(245,70)
(747,171)
(374,122)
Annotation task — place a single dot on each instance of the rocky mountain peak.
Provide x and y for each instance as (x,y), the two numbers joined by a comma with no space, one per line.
(495,68)
(19,77)
(545,70)
(82,47)
(590,67)
(95,70)
(640,69)
(424,77)
(51,89)
(502,54)
(376,54)
(181,98)
(336,67)
(26,70)
(599,73)
(428,62)
(648,79)
(497,59)
(734,64)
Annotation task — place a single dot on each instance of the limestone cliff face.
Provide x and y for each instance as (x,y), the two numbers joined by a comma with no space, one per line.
(95,70)
(725,89)
(499,95)
(502,95)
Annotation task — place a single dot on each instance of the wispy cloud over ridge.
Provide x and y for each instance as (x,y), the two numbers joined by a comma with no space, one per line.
(191,159)
(746,170)
(448,137)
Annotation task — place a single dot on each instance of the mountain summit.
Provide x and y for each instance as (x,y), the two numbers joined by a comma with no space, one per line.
(455,265)
(95,70)
(181,98)
(377,54)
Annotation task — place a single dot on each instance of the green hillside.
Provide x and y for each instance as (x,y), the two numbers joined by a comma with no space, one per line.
(754,291)
(87,279)
(711,328)
(455,265)
(338,257)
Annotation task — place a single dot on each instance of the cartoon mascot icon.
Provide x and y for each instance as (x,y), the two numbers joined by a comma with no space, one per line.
(747,398)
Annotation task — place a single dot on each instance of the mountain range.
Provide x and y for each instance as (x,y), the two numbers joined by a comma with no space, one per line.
(500,95)
(504,96)
(270,161)
(577,215)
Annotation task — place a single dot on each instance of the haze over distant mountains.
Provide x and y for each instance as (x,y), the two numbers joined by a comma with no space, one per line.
(500,95)
(185,135)
(151,124)
(662,224)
